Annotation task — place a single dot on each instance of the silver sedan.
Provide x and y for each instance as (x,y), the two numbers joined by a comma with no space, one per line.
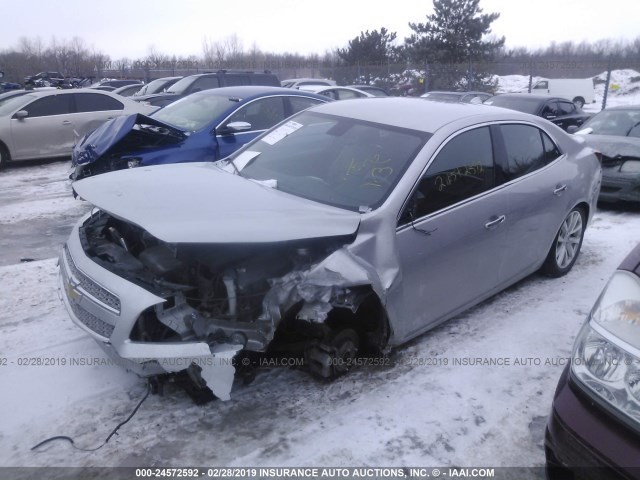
(46,124)
(351,227)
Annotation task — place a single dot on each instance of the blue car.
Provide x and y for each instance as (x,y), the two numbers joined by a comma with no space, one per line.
(204,126)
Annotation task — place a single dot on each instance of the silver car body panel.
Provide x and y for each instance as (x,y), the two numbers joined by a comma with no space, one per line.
(257,212)
(466,261)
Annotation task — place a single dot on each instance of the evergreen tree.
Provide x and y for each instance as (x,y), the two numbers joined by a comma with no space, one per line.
(451,41)
(369,48)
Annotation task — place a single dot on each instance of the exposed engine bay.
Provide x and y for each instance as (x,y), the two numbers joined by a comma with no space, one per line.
(250,295)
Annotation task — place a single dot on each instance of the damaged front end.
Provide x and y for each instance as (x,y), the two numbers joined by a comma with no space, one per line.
(122,143)
(161,307)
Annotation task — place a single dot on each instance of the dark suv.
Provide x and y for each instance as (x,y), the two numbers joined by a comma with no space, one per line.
(207,81)
(45,79)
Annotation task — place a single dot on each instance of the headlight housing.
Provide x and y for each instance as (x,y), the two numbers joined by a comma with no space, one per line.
(606,357)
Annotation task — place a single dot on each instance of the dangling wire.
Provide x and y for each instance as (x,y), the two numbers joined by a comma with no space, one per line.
(114,431)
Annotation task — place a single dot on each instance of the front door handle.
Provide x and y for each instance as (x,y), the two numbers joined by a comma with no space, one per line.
(559,189)
(495,222)
(66,122)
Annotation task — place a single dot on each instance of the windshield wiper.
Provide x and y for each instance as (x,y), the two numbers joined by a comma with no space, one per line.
(243,160)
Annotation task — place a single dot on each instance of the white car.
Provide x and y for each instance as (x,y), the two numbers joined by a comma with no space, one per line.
(301,82)
(46,124)
(337,93)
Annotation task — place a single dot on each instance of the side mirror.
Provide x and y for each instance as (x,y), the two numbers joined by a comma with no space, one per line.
(235,127)
(572,129)
(21,114)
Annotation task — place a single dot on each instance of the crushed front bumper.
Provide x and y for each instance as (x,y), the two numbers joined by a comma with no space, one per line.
(619,187)
(107,307)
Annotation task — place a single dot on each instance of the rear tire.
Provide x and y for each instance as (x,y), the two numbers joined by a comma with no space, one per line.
(566,246)
(579,101)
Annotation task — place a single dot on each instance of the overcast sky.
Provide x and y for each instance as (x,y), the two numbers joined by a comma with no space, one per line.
(128,28)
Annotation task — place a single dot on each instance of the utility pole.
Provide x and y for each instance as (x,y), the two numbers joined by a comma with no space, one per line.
(606,85)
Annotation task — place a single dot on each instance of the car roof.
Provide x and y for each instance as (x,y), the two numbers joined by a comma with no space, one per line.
(416,114)
(245,91)
(624,107)
(459,93)
(529,96)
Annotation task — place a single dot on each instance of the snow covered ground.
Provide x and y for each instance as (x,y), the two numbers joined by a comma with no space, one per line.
(435,405)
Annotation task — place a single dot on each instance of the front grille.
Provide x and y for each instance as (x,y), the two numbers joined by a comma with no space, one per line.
(91,321)
(91,287)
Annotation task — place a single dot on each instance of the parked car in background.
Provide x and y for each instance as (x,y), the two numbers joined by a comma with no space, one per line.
(373,90)
(204,126)
(128,90)
(353,226)
(560,111)
(594,427)
(207,81)
(336,93)
(158,85)
(579,90)
(615,133)
(46,124)
(45,79)
(464,97)
(7,86)
(301,82)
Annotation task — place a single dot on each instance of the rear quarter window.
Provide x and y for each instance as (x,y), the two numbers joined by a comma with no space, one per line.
(527,148)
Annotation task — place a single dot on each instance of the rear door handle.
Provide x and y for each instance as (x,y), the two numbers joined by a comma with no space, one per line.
(559,189)
(495,222)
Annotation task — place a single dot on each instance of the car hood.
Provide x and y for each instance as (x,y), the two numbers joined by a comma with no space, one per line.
(200,203)
(96,144)
(614,146)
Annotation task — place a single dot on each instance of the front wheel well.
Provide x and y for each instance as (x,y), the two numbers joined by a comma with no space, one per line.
(366,315)
(370,321)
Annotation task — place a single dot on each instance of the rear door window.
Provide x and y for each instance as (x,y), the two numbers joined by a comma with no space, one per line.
(94,102)
(525,150)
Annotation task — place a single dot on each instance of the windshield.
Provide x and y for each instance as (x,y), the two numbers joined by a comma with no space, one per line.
(526,105)
(623,123)
(181,85)
(155,86)
(196,111)
(11,104)
(334,160)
